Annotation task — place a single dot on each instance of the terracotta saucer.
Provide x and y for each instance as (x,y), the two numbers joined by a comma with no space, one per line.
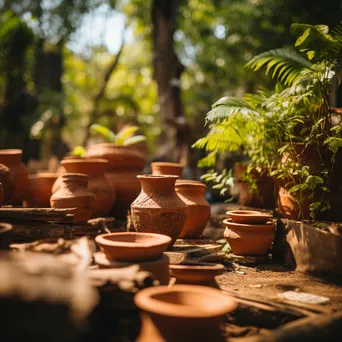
(248,216)
(197,273)
(133,246)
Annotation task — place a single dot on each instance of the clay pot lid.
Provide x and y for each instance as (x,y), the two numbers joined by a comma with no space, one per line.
(168,164)
(246,226)
(133,240)
(249,216)
(13,152)
(5,227)
(186,301)
(200,266)
(89,160)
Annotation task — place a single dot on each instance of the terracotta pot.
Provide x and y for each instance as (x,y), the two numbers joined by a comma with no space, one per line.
(182,313)
(124,164)
(158,208)
(12,159)
(133,246)
(198,211)
(248,216)
(40,188)
(74,193)
(5,235)
(163,168)
(98,183)
(201,273)
(8,183)
(249,239)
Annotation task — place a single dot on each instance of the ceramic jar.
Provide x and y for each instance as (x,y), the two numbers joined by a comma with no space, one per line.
(74,193)
(12,159)
(98,183)
(124,164)
(182,313)
(8,183)
(163,168)
(40,188)
(198,212)
(158,208)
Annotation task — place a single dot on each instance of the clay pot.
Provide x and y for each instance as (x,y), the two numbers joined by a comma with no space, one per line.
(163,168)
(74,193)
(248,216)
(158,208)
(5,235)
(249,239)
(98,183)
(198,209)
(12,159)
(182,313)
(124,164)
(133,246)
(40,188)
(8,183)
(200,273)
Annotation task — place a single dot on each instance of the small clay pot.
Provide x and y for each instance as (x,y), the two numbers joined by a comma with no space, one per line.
(98,183)
(182,313)
(133,246)
(249,239)
(12,159)
(74,193)
(198,209)
(40,188)
(200,273)
(8,183)
(5,235)
(158,208)
(124,164)
(248,216)
(163,168)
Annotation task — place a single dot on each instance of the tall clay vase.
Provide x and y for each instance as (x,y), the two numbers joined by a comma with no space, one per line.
(198,212)
(182,313)
(74,193)
(124,164)
(40,188)
(12,159)
(158,208)
(164,168)
(98,183)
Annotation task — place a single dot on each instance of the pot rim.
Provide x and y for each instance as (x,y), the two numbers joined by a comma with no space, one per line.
(144,300)
(150,176)
(159,240)
(13,152)
(74,174)
(5,227)
(84,161)
(43,174)
(198,267)
(246,226)
(178,165)
(248,213)
(190,183)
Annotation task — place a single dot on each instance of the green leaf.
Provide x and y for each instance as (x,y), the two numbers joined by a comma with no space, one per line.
(124,134)
(298,187)
(79,151)
(314,206)
(104,131)
(134,140)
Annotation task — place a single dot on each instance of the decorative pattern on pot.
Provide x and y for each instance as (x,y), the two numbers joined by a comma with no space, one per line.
(12,159)
(98,183)
(164,168)
(198,211)
(124,164)
(182,313)
(74,193)
(158,208)
(40,188)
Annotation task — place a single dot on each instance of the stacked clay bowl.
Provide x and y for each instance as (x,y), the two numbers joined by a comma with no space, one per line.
(249,232)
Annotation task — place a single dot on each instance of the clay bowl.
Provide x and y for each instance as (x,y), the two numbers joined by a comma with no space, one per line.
(248,216)
(133,246)
(199,273)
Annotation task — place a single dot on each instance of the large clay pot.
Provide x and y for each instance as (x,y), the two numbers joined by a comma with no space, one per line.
(8,183)
(158,208)
(12,159)
(182,313)
(198,211)
(74,193)
(163,168)
(124,164)
(249,239)
(98,183)
(40,188)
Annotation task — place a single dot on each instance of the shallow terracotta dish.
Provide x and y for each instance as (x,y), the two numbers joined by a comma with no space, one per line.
(133,246)
(196,274)
(248,216)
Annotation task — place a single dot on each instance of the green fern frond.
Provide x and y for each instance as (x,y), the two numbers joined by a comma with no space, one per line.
(286,64)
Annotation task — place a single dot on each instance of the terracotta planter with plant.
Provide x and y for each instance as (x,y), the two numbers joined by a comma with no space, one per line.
(12,159)
(41,188)
(158,208)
